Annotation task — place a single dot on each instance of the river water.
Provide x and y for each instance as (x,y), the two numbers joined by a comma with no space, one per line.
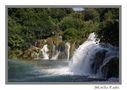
(44,71)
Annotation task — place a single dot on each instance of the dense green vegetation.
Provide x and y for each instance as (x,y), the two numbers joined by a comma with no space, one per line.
(27,25)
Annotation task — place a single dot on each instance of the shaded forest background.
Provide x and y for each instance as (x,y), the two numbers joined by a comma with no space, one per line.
(27,25)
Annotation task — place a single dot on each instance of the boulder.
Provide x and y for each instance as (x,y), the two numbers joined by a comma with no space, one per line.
(98,60)
(111,68)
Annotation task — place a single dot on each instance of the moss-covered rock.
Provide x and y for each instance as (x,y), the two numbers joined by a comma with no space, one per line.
(31,53)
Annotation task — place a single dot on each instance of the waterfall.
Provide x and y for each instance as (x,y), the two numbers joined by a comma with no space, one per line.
(91,57)
(55,57)
(68,50)
(44,51)
(80,63)
(53,50)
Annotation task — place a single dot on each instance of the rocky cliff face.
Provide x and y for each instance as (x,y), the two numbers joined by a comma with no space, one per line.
(56,49)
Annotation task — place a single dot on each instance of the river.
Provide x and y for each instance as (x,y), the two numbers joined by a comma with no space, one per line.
(44,71)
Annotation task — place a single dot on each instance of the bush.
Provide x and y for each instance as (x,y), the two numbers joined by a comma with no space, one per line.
(71,34)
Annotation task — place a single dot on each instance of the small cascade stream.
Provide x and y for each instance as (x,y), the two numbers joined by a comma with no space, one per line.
(44,51)
(68,50)
(55,57)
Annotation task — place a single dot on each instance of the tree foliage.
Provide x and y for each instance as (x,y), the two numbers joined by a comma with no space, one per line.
(27,25)
(108,31)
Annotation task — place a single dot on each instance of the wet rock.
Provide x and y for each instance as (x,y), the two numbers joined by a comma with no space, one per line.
(31,53)
(111,68)
(98,60)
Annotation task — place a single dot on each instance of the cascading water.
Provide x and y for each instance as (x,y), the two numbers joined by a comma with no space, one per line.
(68,50)
(55,57)
(44,51)
(81,59)
(91,56)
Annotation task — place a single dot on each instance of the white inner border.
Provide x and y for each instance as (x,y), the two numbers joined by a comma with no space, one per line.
(3,86)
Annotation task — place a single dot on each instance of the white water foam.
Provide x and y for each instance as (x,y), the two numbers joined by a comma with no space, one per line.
(44,51)
(85,55)
(68,50)
(55,57)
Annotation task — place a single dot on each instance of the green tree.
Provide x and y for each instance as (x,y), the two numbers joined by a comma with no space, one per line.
(71,22)
(108,31)
(91,14)
(71,34)
(14,38)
